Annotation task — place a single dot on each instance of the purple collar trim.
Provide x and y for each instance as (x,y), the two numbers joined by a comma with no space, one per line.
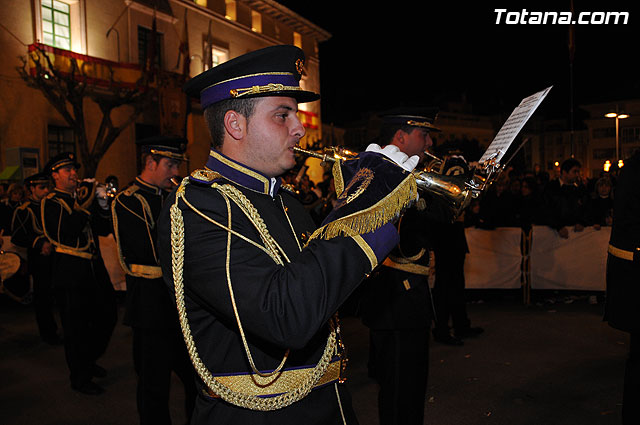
(242,175)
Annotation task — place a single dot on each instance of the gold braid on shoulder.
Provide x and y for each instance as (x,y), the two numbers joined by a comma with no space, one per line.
(244,397)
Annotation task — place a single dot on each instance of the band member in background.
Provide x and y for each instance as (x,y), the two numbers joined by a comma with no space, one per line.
(15,197)
(158,347)
(72,220)
(622,309)
(256,290)
(396,304)
(26,232)
(450,250)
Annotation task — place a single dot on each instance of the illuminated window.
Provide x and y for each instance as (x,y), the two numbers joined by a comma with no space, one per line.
(56,24)
(61,23)
(230,9)
(201,2)
(297,39)
(256,21)
(219,55)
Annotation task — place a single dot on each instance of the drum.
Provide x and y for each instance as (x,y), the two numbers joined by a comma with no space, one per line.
(14,282)
(9,264)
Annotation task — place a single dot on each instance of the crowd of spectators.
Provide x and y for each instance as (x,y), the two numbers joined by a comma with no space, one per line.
(318,198)
(561,201)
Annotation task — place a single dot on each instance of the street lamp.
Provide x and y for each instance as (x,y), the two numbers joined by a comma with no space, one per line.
(618,116)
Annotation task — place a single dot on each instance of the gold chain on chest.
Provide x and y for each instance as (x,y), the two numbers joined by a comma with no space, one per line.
(271,247)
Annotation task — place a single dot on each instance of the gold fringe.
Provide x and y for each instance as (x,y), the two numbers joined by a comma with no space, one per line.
(338,180)
(374,217)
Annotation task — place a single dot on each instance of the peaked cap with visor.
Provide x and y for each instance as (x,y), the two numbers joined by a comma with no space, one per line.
(272,71)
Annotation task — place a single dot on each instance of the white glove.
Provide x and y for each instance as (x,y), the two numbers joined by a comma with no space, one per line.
(101,194)
(396,155)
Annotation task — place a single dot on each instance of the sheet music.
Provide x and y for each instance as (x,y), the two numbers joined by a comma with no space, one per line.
(513,125)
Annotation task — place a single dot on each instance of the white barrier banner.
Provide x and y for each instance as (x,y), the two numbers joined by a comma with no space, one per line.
(578,262)
(494,258)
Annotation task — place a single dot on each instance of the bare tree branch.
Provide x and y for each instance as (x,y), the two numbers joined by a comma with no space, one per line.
(66,91)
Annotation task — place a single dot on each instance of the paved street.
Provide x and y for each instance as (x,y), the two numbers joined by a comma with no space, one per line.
(554,362)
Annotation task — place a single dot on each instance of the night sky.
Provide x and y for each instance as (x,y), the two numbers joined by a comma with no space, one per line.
(427,54)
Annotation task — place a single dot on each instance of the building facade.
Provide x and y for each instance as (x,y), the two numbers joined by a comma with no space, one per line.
(114,37)
(604,145)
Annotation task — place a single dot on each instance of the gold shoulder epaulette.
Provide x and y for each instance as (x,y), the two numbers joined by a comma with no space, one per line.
(204,176)
(52,196)
(130,190)
(289,188)
(23,206)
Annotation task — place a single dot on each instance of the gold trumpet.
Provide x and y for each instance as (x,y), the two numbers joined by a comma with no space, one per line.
(435,164)
(456,191)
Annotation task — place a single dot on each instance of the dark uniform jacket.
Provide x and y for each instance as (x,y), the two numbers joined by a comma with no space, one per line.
(26,232)
(7,209)
(397,295)
(73,226)
(280,306)
(622,309)
(135,212)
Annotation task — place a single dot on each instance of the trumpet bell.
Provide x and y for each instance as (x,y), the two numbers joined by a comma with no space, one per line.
(456,191)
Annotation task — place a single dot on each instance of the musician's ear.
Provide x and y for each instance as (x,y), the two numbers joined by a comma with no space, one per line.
(235,124)
(399,138)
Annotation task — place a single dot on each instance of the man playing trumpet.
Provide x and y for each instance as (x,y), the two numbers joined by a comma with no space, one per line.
(256,291)
(82,287)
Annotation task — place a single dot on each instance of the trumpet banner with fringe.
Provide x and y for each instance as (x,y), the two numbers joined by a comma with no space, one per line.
(372,190)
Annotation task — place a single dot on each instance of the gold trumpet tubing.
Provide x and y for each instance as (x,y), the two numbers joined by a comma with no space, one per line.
(432,156)
(435,164)
(328,155)
(456,190)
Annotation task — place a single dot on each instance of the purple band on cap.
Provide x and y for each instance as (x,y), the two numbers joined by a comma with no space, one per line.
(222,90)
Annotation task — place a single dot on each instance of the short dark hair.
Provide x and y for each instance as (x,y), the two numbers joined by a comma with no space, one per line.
(214,116)
(569,163)
(145,155)
(388,131)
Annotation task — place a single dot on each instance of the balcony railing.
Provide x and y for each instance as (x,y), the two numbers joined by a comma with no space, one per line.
(94,71)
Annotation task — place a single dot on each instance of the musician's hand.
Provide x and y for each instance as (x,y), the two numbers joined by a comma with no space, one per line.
(46,249)
(101,194)
(396,155)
